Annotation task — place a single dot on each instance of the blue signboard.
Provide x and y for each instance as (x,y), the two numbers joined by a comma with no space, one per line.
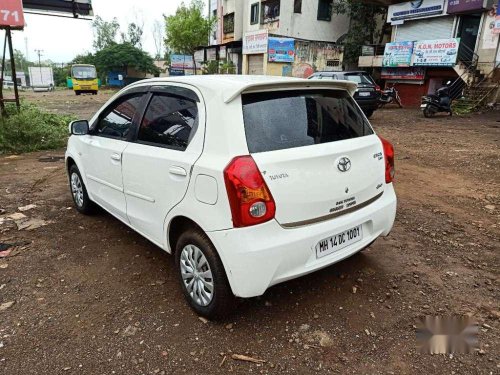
(281,50)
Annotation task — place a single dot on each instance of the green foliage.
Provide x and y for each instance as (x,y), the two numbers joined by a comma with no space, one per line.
(87,58)
(219,67)
(133,35)
(188,28)
(32,129)
(60,75)
(104,32)
(363,29)
(122,56)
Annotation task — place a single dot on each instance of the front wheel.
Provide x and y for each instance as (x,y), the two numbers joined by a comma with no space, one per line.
(79,192)
(369,113)
(202,275)
(428,112)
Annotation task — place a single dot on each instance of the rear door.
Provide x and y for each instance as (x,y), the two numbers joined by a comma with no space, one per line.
(316,151)
(103,149)
(157,165)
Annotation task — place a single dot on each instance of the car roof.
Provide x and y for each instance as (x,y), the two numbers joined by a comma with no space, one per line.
(340,72)
(231,86)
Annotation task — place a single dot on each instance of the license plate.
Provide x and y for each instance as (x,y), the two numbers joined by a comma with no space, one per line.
(339,241)
(423,105)
(364,93)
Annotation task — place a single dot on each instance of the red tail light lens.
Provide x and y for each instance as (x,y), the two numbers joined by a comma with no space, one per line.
(377,88)
(249,197)
(390,171)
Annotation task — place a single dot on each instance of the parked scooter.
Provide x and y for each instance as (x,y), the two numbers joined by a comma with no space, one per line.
(389,96)
(438,102)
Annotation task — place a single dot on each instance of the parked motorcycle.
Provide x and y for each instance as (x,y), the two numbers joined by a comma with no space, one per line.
(389,96)
(438,102)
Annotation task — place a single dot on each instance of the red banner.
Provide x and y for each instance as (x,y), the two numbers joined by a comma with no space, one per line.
(11,14)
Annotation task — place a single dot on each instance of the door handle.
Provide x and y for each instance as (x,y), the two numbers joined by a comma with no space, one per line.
(178,171)
(116,157)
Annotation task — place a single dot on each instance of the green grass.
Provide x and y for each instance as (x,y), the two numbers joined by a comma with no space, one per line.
(32,129)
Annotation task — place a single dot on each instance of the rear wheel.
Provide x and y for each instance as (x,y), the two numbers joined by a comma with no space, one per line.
(77,93)
(202,275)
(369,113)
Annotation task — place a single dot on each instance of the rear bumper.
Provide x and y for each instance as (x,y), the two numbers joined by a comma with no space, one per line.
(368,104)
(256,258)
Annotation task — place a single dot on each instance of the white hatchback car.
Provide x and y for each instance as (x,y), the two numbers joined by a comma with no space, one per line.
(249,180)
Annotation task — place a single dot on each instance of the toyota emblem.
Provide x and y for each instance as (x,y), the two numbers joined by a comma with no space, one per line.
(344,164)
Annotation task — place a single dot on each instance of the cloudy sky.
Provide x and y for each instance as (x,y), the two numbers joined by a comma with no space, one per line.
(62,39)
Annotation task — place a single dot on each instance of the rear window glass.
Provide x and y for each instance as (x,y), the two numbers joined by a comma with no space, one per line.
(359,78)
(287,119)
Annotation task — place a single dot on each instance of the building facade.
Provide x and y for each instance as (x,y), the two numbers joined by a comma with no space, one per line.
(436,41)
(278,37)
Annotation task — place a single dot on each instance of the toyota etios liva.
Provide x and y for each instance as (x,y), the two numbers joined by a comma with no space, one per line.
(249,181)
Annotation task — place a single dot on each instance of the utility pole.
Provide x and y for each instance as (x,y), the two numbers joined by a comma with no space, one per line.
(39,53)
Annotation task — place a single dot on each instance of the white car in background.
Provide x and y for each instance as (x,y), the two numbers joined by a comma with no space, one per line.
(248,180)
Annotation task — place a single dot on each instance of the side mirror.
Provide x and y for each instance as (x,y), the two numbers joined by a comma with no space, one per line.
(79,127)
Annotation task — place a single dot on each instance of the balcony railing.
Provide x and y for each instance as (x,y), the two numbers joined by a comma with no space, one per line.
(270,11)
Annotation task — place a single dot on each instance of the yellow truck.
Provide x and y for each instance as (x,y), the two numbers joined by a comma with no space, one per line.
(84,79)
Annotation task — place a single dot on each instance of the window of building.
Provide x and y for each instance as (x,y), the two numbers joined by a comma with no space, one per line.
(270,11)
(116,120)
(254,14)
(228,21)
(297,6)
(169,122)
(325,10)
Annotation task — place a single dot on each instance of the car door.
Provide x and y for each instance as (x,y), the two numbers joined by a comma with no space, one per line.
(157,166)
(103,152)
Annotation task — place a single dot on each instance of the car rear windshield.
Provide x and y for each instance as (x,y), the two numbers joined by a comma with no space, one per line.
(359,78)
(288,119)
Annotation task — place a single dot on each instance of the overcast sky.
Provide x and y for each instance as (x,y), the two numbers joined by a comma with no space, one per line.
(61,39)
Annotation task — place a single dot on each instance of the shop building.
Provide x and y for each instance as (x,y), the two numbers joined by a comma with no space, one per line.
(278,37)
(435,41)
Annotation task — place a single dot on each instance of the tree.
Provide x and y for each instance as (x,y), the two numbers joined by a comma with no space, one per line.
(87,58)
(365,28)
(133,35)
(158,35)
(104,32)
(188,28)
(122,56)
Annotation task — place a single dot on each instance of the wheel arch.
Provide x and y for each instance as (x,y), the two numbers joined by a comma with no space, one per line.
(176,226)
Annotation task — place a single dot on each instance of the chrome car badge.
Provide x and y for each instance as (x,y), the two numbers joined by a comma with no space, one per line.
(344,164)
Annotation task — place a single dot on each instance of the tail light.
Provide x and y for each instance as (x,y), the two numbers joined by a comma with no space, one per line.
(249,197)
(377,88)
(390,171)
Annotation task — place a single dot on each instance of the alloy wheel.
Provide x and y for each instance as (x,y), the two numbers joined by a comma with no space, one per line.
(77,189)
(197,275)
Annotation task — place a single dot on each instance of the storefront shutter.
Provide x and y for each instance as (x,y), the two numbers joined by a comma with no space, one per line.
(256,64)
(428,28)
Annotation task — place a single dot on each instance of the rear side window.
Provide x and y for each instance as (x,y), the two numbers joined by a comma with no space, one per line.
(169,121)
(288,119)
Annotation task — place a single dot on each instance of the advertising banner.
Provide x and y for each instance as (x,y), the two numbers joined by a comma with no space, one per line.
(496,28)
(438,52)
(414,9)
(11,14)
(413,73)
(398,54)
(461,6)
(255,42)
(281,50)
(181,62)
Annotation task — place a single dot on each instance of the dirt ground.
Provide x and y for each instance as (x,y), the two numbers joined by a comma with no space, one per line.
(87,295)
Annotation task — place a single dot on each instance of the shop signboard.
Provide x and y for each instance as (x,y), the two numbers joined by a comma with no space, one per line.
(281,50)
(463,6)
(11,14)
(398,54)
(496,27)
(255,42)
(437,52)
(414,9)
(181,62)
(412,73)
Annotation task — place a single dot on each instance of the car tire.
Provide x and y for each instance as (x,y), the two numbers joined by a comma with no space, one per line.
(194,250)
(369,113)
(81,199)
(77,93)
